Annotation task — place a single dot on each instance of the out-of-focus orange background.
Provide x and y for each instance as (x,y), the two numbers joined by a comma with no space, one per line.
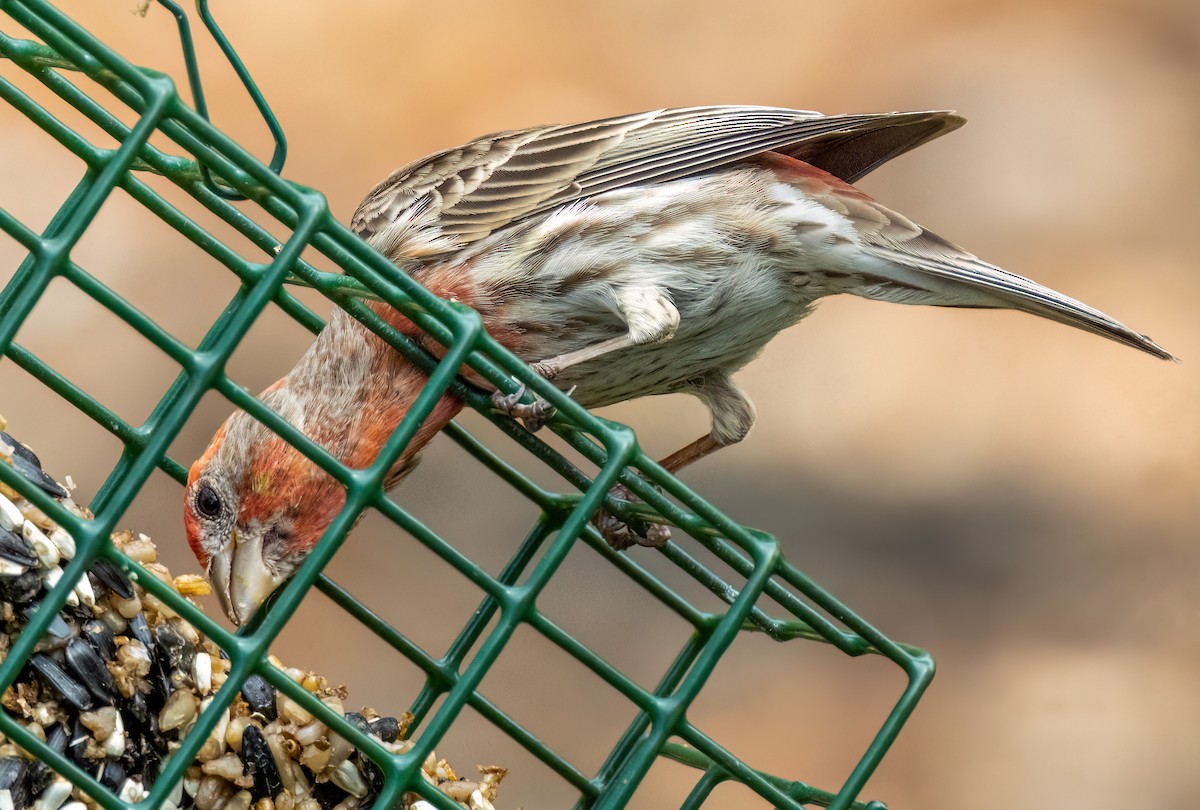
(1015,496)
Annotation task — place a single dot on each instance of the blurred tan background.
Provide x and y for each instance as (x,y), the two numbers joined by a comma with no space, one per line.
(1015,496)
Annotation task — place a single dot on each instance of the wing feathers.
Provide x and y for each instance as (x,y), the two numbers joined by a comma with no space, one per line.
(498,179)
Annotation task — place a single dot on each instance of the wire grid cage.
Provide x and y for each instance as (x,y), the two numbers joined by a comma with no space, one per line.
(760,592)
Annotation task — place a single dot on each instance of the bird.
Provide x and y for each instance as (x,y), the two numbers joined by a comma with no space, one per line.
(255,506)
(643,254)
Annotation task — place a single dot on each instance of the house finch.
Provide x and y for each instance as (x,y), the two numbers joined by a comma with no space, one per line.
(646,254)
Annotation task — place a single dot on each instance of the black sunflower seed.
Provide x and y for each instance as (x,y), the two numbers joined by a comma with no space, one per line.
(175,653)
(386,728)
(137,711)
(57,678)
(328,795)
(141,631)
(260,695)
(15,548)
(58,625)
(112,576)
(259,764)
(359,721)
(374,778)
(98,634)
(77,744)
(149,763)
(40,774)
(21,590)
(143,759)
(30,467)
(111,774)
(21,451)
(57,737)
(87,665)
(158,675)
(14,777)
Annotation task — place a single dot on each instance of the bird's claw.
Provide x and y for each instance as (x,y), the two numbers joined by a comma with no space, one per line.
(620,535)
(533,415)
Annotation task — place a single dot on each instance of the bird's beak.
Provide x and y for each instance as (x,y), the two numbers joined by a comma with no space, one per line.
(240,577)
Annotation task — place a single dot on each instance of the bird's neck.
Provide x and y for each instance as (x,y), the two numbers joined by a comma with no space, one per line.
(354,390)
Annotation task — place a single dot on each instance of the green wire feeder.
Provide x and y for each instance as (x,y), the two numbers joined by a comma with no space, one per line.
(761,591)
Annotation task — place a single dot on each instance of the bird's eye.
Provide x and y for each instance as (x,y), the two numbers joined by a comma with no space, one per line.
(208,502)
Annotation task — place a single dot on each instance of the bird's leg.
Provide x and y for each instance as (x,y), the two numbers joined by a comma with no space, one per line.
(553,366)
(650,317)
(536,414)
(732,418)
(704,446)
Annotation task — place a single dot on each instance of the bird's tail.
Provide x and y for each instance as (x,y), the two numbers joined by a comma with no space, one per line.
(928,270)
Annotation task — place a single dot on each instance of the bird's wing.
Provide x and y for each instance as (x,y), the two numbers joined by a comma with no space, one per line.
(499,179)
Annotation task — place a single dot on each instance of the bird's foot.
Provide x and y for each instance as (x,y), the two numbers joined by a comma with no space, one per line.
(546,369)
(620,535)
(533,415)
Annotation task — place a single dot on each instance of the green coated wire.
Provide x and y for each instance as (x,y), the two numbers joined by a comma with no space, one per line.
(197,87)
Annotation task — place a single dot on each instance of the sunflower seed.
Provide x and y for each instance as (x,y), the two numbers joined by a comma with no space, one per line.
(54,795)
(40,773)
(111,774)
(14,778)
(16,549)
(47,552)
(256,756)
(57,678)
(373,776)
(173,651)
(64,542)
(113,578)
(97,634)
(202,672)
(11,569)
(347,777)
(52,576)
(77,744)
(21,589)
(260,695)
(142,719)
(87,665)
(386,728)
(10,516)
(326,795)
(58,625)
(30,467)
(83,589)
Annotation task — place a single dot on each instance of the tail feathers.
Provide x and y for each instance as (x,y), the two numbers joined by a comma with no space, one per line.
(923,271)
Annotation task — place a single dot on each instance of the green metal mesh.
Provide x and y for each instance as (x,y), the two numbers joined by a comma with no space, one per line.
(760,591)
